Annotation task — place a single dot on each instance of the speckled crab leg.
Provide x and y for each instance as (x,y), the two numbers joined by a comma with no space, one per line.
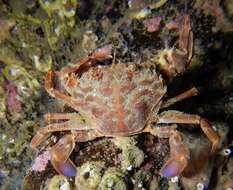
(43,133)
(61,116)
(179,153)
(187,94)
(180,117)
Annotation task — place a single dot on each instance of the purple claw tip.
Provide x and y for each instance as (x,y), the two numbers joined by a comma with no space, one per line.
(170,170)
(68,169)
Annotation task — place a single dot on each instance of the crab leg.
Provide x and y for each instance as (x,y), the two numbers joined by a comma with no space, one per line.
(187,94)
(179,153)
(180,117)
(61,116)
(44,133)
(61,151)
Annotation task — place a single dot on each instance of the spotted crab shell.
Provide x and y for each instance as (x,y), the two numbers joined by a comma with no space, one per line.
(119,99)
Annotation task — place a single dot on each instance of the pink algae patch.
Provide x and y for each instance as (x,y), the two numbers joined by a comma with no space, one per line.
(152,24)
(12,101)
(41,162)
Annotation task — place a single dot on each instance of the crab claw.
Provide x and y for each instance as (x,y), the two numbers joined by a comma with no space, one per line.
(63,148)
(179,157)
(174,61)
(173,167)
(60,153)
(66,168)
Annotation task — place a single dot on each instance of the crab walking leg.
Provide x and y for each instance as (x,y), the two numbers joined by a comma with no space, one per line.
(187,94)
(43,133)
(180,117)
(61,151)
(61,116)
(84,136)
(179,153)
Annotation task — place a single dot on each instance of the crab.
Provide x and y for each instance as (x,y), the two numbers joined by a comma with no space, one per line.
(115,100)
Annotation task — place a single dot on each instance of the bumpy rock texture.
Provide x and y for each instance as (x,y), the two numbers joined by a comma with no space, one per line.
(39,35)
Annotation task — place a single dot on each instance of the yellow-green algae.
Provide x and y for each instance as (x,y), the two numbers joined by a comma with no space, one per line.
(89,175)
(132,156)
(59,182)
(30,45)
(113,179)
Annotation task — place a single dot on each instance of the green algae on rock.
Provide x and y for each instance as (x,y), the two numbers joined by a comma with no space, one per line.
(59,182)
(89,175)
(113,179)
(131,156)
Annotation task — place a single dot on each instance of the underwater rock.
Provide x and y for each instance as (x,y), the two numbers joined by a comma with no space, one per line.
(215,9)
(12,98)
(89,40)
(152,24)
(229,7)
(141,177)
(3,107)
(113,179)
(225,175)
(5,26)
(59,182)
(201,163)
(173,183)
(43,65)
(64,8)
(89,175)
(131,156)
